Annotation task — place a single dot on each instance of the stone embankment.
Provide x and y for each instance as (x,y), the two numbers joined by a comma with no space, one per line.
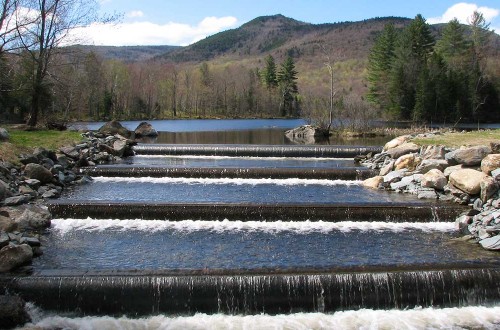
(467,175)
(43,175)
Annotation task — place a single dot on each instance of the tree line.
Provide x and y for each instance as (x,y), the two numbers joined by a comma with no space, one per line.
(42,79)
(412,76)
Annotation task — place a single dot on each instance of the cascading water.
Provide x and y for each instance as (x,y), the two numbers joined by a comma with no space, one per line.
(281,243)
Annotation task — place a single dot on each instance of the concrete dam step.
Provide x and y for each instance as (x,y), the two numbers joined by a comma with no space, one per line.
(350,173)
(391,212)
(255,150)
(141,293)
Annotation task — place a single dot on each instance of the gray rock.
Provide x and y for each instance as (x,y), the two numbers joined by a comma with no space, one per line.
(146,129)
(70,152)
(13,256)
(34,217)
(430,164)
(401,185)
(4,239)
(471,156)
(4,135)
(434,179)
(496,174)
(38,172)
(114,127)
(489,187)
(12,312)
(33,183)
(395,176)
(50,194)
(427,194)
(31,241)
(462,223)
(433,152)
(492,243)
(404,149)
(119,147)
(17,200)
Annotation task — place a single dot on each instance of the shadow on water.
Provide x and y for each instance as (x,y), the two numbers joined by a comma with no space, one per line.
(267,136)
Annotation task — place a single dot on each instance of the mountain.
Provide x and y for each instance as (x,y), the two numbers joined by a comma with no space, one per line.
(278,33)
(128,53)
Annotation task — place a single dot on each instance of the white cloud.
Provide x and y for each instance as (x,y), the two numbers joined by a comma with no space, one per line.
(135,14)
(462,11)
(147,33)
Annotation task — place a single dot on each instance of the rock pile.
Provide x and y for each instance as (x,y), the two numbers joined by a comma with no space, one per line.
(43,175)
(468,176)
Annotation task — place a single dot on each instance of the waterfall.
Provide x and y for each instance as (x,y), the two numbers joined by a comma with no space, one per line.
(143,293)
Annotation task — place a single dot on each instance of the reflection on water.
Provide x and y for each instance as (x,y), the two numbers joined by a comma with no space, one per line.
(266,136)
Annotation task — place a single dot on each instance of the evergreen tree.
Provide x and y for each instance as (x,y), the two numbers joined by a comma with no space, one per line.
(269,77)
(379,66)
(412,50)
(453,45)
(287,80)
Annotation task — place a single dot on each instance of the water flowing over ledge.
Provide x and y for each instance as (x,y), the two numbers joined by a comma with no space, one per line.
(390,212)
(346,173)
(416,319)
(273,293)
(255,151)
(64,226)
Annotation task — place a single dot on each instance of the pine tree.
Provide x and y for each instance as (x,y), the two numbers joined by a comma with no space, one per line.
(379,66)
(412,50)
(287,80)
(269,77)
(453,45)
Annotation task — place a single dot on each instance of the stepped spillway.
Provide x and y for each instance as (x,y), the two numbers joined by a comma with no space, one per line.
(255,151)
(345,173)
(143,293)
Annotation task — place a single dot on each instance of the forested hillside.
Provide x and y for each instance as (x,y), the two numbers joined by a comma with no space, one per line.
(317,69)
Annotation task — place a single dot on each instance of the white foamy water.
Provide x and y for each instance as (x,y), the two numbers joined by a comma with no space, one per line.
(225,181)
(416,319)
(311,159)
(64,226)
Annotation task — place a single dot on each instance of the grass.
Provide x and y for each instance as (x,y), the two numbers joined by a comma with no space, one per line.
(457,139)
(26,141)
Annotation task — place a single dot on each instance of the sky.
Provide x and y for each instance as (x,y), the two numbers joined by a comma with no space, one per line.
(183,22)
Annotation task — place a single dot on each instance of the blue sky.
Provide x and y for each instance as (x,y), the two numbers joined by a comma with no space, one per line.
(174,22)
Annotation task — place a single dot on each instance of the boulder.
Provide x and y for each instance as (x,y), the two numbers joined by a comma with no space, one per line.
(430,164)
(467,180)
(395,176)
(409,161)
(492,243)
(114,127)
(471,156)
(307,134)
(7,224)
(70,152)
(396,142)
(434,179)
(119,147)
(38,172)
(489,187)
(490,163)
(433,152)
(373,182)
(386,169)
(13,256)
(12,312)
(145,129)
(405,148)
(4,135)
(34,217)
(450,169)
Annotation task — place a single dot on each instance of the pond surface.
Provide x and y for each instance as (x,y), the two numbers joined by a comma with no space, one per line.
(136,244)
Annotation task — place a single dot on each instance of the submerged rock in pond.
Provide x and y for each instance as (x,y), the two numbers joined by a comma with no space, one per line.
(307,134)
(114,127)
(145,129)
